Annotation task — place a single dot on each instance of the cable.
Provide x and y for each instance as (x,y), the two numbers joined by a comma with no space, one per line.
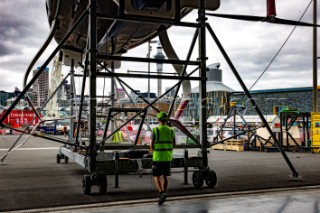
(54,26)
(280,47)
(277,53)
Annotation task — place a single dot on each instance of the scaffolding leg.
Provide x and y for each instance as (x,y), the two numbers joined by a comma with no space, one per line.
(185,167)
(116,175)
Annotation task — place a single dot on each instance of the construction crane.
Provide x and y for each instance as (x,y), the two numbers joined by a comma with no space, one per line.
(52,108)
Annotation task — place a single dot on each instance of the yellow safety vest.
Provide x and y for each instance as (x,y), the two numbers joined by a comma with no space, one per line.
(117,137)
(163,143)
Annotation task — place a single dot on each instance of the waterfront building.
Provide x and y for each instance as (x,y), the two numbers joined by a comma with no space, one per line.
(217,95)
(272,100)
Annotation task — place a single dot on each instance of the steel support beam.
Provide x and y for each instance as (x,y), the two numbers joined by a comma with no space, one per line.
(252,101)
(92,84)
(203,83)
(147,60)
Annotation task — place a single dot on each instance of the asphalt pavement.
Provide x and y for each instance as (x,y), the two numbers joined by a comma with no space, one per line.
(297,200)
(30,178)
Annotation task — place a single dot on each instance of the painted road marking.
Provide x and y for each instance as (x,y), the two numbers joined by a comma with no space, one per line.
(26,149)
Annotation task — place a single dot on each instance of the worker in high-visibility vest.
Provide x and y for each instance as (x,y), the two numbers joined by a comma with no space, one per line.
(65,130)
(118,137)
(162,143)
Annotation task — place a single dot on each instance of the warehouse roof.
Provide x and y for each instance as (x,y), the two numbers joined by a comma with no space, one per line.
(213,86)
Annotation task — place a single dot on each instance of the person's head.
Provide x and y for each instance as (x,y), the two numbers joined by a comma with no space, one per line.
(162,117)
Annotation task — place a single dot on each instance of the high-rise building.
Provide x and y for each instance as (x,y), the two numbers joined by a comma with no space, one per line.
(4,96)
(120,94)
(172,93)
(41,87)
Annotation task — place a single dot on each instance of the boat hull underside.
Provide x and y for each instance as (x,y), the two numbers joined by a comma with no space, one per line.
(113,37)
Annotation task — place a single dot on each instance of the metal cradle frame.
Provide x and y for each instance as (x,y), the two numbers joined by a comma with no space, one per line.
(98,163)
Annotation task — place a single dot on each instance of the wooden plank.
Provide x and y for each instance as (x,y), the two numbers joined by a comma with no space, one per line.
(235,142)
(218,146)
(238,148)
(228,147)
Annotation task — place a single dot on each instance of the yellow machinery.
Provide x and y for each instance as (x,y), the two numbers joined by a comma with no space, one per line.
(315,131)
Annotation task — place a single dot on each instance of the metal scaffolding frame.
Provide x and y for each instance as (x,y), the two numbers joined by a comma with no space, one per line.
(97,163)
(287,120)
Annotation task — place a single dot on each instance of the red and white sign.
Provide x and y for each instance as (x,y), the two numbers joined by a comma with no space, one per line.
(17,118)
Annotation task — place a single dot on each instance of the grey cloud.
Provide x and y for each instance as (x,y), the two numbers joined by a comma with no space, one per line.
(4,50)
(10,31)
(19,24)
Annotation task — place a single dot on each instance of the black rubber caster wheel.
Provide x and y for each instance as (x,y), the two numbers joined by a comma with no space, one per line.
(197,179)
(102,183)
(211,179)
(58,158)
(66,159)
(86,184)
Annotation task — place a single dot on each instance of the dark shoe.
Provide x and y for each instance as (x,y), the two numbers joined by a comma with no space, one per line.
(162,198)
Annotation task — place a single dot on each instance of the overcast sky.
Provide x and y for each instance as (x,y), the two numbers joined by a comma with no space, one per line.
(251,46)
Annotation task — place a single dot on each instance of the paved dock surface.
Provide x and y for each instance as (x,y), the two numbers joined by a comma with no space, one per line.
(30,177)
(298,200)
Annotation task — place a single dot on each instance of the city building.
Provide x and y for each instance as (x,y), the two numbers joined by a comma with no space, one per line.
(138,97)
(120,94)
(272,100)
(40,88)
(170,94)
(217,95)
(4,96)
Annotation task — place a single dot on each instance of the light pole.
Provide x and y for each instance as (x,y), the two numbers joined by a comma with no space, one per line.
(315,68)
